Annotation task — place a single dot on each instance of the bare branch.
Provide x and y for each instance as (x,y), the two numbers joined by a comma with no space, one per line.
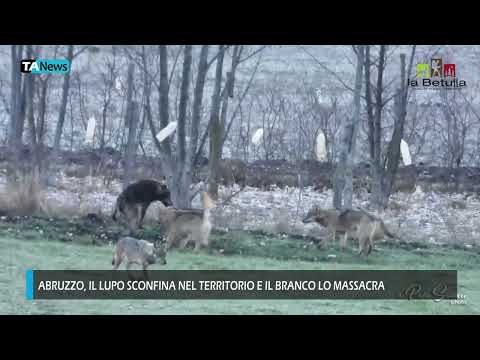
(242,97)
(327,69)
(80,51)
(216,55)
(252,54)
(174,65)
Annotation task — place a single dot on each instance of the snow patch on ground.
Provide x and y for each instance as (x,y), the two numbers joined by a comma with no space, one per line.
(419,216)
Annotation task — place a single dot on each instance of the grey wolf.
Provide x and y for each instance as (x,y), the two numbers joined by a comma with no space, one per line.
(357,224)
(233,171)
(137,251)
(135,199)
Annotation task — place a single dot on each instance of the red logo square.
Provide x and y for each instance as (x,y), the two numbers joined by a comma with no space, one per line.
(449,70)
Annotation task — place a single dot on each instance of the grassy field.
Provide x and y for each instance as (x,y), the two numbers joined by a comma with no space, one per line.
(20,250)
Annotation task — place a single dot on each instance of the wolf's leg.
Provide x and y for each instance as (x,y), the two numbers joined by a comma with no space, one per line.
(198,246)
(372,236)
(206,238)
(185,241)
(361,243)
(170,239)
(198,243)
(132,218)
(370,247)
(117,257)
(117,260)
(143,211)
(344,241)
(329,237)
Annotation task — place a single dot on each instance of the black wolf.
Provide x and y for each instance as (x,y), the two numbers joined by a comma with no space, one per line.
(134,201)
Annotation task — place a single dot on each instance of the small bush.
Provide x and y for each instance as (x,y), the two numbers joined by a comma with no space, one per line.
(23,197)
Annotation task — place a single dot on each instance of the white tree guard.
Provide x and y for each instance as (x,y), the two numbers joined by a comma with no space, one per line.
(167,131)
(257,137)
(90,130)
(407,159)
(321,147)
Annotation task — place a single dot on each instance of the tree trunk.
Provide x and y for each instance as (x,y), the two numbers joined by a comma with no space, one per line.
(197,101)
(20,124)
(196,115)
(42,111)
(14,93)
(217,148)
(104,125)
(377,168)
(343,187)
(164,152)
(17,97)
(30,108)
(215,127)
(181,195)
(393,152)
(368,97)
(63,105)
(131,121)
(163,90)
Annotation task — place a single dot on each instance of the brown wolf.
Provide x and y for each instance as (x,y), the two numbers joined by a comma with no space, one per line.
(357,224)
(185,225)
(134,201)
(233,171)
(136,251)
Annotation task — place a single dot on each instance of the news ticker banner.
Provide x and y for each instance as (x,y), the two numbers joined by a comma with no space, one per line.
(241,284)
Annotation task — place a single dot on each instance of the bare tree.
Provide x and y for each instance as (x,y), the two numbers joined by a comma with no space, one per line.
(392,157)
(456,115)
(63,105)
(17,104)
(109,78)
(343,187)
(384,169)
(216,126)
(16,121)
(131,121)
(177,166)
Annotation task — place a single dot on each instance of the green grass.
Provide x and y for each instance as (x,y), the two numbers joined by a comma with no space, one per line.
(22,248)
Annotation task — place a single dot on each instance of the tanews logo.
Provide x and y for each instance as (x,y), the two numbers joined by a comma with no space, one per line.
(45,66)
(436,75)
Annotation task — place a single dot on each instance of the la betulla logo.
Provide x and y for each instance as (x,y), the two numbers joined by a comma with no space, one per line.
(45,66)
(436,75)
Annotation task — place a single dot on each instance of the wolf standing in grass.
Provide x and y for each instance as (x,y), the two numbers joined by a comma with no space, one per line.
(134,201)
(185,225)
(137,251)
(357,224)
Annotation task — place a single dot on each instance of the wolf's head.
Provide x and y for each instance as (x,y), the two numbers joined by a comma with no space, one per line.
(163,194)
(315,214)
